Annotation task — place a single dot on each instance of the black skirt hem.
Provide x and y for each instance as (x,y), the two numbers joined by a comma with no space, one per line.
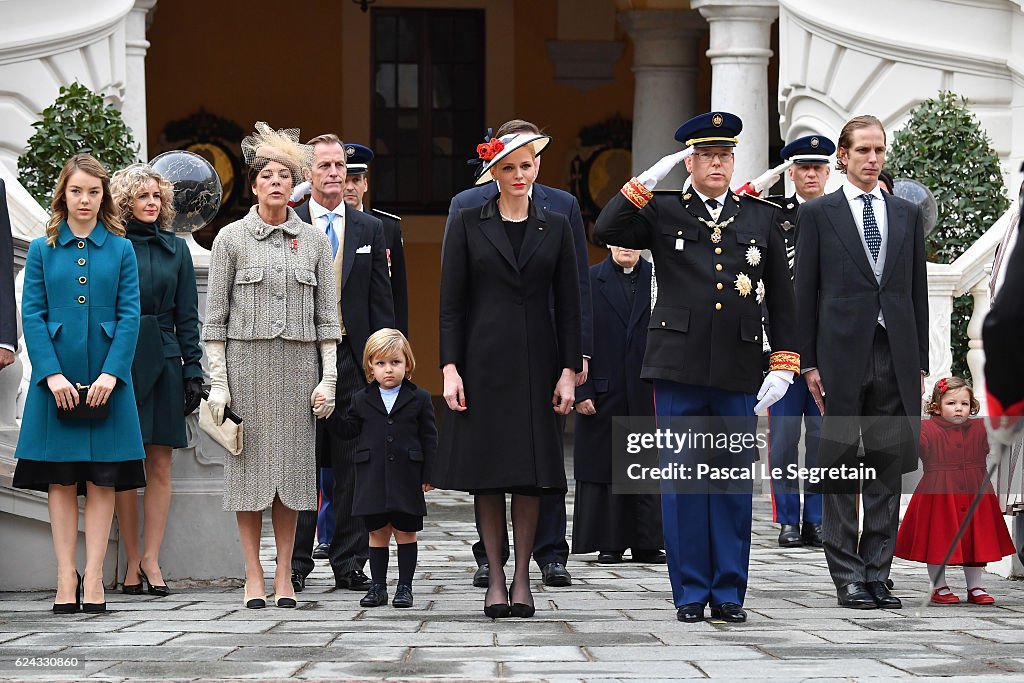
(39,475)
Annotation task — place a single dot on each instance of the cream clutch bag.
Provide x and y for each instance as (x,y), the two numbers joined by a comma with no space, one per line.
(228,434)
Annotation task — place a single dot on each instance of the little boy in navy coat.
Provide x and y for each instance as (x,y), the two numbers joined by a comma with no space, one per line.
(394,422)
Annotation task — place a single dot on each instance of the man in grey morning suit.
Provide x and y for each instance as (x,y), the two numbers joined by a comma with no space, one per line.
(862,304)
(361,269)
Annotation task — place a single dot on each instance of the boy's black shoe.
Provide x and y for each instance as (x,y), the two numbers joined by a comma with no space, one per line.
(376,596)
(403,596)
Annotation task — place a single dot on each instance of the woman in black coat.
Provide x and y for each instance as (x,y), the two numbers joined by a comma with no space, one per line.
(509,361)
(167,372)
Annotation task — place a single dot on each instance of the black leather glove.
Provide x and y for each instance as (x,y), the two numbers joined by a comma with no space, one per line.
(193,394)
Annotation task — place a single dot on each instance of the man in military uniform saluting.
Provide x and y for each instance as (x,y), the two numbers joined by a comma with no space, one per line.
(809,173)
(356,185)
(718,256)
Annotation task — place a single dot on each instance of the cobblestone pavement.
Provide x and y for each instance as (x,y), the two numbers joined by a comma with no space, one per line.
(614,622)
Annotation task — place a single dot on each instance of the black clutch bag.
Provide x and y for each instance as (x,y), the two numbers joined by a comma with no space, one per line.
(83,411)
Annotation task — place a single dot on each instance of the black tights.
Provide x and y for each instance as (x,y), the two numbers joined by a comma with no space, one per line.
(525,510)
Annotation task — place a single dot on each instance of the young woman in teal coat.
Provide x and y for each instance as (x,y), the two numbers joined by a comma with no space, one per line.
(80,315)
(167,373)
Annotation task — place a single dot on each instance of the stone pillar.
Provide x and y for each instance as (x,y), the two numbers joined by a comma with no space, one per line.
(135,46)
(665,59)
(739,53)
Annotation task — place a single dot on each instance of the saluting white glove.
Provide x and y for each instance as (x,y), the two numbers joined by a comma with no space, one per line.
(328,382)
(220,397)
(776,384)
(655,174)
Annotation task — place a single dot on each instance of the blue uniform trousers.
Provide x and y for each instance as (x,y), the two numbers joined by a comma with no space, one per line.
(707,533)
(784,422)
(325,517)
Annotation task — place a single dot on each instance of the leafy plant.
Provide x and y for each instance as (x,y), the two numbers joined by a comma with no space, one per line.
(78,121)
(943,147)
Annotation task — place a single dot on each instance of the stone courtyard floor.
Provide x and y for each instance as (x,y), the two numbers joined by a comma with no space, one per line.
(614,622)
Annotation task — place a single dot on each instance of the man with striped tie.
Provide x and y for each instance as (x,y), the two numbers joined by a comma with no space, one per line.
(862,309)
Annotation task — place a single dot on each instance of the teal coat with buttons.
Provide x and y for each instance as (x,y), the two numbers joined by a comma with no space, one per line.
(80,316)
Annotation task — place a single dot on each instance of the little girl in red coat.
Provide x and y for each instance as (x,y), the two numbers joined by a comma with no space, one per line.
(953,450)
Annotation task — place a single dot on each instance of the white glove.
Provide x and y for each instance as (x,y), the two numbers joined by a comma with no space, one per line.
(774,387)
(655,174)
(1003,430)
(220,397)
(300,191)
(329,381)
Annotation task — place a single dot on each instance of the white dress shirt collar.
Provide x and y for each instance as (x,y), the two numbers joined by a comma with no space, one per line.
(853,192)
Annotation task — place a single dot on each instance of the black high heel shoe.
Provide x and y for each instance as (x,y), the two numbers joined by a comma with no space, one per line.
(520,609)
(70,607)
(499,610)
(159,591)
(93,607)
(131,588)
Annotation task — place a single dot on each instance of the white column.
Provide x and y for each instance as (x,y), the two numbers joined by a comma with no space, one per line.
(665,60)
(134,109)
(739,52)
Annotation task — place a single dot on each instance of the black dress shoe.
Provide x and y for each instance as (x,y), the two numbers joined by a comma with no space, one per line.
(322,551)
(608,557)
(728,611)
(376,596)
(810,534)
(403,596)
(482,576)
(556,575)
(856,596)
(789,537)
(883,598)
(355,580)
(648,556)
(298,581)
(690,613)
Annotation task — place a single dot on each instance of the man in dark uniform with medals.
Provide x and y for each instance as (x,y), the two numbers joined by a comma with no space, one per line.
(356,185)
(717,257)
(809,173)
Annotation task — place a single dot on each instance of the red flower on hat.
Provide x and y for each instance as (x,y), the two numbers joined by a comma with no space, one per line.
(488,150)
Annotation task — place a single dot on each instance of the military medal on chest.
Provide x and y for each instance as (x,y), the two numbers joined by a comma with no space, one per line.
(716,228)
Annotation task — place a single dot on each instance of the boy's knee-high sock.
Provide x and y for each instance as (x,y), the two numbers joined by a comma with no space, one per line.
(407,555)
(379,564)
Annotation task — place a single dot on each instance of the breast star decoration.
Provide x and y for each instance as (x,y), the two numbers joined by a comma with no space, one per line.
(760,291)
(753,256)
(743,284)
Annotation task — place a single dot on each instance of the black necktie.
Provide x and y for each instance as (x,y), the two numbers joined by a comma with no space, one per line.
(712,203)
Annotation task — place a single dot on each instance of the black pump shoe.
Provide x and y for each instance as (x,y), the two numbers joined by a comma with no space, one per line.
(70,607)
(159,591)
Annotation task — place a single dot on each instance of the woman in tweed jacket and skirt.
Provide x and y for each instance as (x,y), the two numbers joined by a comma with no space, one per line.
(270,306)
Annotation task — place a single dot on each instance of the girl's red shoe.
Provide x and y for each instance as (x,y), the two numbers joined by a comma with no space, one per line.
(944,598)
(979,596)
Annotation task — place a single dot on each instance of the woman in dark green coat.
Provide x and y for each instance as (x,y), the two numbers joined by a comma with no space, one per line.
(167,372)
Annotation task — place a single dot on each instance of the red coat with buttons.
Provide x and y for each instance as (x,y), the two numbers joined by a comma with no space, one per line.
(395,450)
(954,468)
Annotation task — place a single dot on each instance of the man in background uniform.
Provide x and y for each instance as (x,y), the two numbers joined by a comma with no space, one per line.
(356,185)
(718,256)
(809,173)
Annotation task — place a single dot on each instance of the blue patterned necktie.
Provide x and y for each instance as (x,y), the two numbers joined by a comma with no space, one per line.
(872,235)
(332,236)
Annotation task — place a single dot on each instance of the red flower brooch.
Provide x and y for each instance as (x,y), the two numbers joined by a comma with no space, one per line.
(295,245)
(488,150)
